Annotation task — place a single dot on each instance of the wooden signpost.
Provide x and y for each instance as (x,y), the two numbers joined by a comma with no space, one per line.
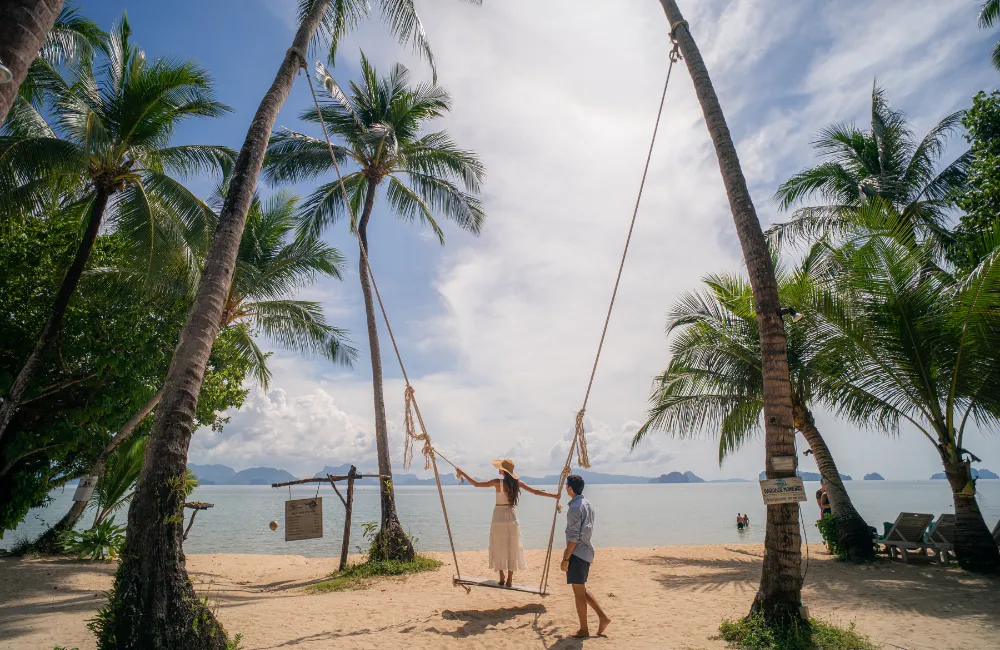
(308,520)
(303,519)
(782,490)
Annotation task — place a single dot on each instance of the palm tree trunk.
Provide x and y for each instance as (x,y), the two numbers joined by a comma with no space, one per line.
(779,598)
(66,290)
(153,604)
(390,542)
(46,542)
(975,548)
(24,26)
(852,531)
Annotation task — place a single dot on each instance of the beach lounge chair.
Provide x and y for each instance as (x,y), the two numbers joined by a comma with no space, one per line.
(907,534)
(941,537)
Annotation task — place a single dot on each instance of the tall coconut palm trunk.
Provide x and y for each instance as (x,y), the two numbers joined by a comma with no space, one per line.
(24,26)
(66,290)
(46,542)
(780,594)
(391,542)
(852,530)
(153,604)
(975,548)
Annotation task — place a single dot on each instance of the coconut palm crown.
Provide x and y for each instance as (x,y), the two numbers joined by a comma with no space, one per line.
(879,180)
(380,127)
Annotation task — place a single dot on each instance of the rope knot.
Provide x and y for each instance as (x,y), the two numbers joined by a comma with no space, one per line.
(582,454)
(411,434)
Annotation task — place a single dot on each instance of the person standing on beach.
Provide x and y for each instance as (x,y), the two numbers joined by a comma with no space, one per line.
(506,547)
(579,554)
(823,499)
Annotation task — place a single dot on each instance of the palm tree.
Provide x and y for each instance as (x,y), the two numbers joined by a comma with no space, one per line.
(109,151)
(714,382)
(901,346)
(153,556)
(987,18)
(380,125)
(879,180)
(270,268)
(24,26)
(779,598)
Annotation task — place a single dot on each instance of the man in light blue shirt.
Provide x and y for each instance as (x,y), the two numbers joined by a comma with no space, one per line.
(579,554)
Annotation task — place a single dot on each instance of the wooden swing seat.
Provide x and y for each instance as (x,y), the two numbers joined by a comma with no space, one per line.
(477,581)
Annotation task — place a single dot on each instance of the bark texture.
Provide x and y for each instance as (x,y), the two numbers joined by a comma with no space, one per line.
(852,530)
(391,541)
(975,548)
(66,290)
(47,541)
(780,594)
(153,604)
(24,26)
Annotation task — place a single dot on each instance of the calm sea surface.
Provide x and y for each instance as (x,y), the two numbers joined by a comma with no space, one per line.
(627,515)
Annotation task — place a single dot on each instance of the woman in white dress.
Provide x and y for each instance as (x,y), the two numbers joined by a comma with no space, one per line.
(506,548)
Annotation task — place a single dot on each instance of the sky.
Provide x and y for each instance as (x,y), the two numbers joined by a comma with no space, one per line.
(558,98)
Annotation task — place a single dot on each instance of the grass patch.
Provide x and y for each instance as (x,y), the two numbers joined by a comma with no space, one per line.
(359,576)
(755,634)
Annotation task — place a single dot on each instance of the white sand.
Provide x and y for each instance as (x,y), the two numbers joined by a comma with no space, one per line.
(669,598)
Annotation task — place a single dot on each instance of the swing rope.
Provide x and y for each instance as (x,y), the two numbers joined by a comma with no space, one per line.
(411,399)
(579,443)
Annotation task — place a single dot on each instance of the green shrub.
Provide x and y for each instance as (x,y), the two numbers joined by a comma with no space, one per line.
(754,633)
(102,542)
(828,529)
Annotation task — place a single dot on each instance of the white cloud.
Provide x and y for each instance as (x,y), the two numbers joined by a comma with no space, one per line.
(558,98)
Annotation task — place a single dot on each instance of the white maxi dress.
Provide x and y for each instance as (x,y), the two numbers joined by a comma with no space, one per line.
(506,547)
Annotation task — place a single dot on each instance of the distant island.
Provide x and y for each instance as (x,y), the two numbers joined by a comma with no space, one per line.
(224,475)
(677,477)
(976,474)
(874,476)
(810,476)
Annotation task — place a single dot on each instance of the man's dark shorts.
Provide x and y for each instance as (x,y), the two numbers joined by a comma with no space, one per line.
(578,571)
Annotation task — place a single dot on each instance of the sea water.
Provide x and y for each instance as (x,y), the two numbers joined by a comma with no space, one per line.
(627,515)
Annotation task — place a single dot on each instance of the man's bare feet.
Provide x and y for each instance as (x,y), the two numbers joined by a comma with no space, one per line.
(581,634)
(603,625)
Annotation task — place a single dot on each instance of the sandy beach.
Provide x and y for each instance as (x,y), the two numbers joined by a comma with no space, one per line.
(670,598)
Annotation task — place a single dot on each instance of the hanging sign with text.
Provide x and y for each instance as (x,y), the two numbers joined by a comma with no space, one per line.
(782,490)
(85,488)
(303,519)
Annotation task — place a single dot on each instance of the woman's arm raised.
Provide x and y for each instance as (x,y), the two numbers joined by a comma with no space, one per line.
(537,493)
(474,482)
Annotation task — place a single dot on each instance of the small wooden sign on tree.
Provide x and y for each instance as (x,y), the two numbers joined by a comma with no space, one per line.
(303,519)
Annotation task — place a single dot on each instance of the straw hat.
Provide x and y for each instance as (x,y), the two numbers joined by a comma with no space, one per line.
(506,465)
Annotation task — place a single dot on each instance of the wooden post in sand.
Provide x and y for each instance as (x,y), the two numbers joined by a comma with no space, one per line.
(347,518)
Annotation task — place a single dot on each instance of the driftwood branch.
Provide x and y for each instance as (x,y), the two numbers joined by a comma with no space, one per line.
(326,479)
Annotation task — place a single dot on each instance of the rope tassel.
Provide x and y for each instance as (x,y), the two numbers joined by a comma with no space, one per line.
(412,435)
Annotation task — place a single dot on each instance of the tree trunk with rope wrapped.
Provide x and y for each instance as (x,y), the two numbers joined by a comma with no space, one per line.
(853,534)
(391,542)
(779,597)
(153,605)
